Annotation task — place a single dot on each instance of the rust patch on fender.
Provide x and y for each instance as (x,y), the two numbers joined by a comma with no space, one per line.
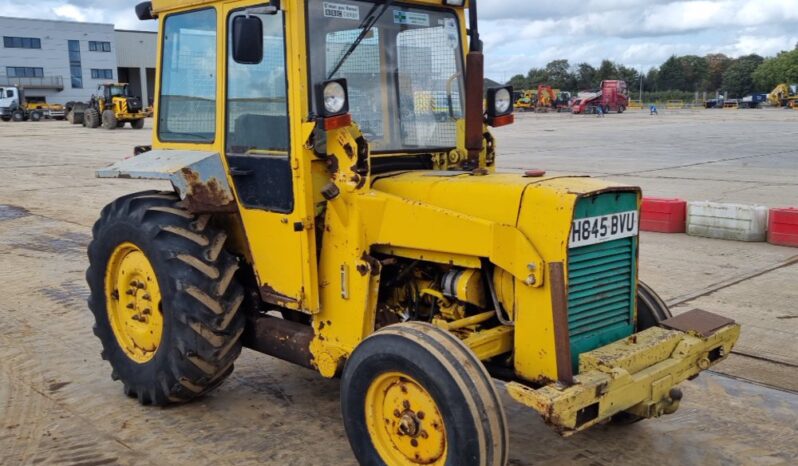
(205,196)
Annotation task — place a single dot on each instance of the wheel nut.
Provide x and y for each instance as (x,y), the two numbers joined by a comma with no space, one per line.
(130,306)
(146,311)
(406,404)
(396,413)
(420,415)
(146,297)
(414,442)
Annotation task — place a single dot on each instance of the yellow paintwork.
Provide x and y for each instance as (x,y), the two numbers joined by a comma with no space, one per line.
(404,422)
(634,375)
(133,300)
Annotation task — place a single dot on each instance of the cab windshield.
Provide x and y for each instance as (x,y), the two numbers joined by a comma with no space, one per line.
(405,77)
(118,91)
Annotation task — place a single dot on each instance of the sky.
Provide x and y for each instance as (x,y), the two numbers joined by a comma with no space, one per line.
(521,34)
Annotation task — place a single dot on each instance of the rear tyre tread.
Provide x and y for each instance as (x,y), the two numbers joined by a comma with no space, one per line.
(199,347)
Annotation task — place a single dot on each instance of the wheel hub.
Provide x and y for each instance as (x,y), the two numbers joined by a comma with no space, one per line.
(133,299)
(404,422)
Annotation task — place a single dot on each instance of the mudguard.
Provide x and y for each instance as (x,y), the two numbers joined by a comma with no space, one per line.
(198,177)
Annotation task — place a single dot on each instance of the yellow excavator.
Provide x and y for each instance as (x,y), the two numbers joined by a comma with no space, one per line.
(784,95)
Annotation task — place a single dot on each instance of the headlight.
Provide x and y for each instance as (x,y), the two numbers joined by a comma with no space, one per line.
(334,98)
(500,106)
(502,101)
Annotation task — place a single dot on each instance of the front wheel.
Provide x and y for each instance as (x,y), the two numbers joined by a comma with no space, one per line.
(137,124)
(165,298)
(413,394)
(109,120)
(18,115)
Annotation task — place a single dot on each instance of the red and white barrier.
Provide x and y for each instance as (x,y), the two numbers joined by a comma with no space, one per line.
(663,215)
(783,227)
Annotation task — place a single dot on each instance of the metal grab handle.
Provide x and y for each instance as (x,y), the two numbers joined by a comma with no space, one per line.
(239,172)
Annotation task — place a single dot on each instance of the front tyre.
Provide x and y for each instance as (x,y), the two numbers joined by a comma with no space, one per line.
(413,394)
(109,120)
(164,297)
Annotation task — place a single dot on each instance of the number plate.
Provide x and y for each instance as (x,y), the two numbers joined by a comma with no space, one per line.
(594,230)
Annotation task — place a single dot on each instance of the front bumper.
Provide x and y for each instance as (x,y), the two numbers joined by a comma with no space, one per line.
(5,111)
(637,374)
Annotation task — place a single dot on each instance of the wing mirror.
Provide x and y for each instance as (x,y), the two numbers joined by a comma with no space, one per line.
(247,40)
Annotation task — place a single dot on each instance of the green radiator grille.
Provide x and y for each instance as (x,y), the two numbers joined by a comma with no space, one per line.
(601,283)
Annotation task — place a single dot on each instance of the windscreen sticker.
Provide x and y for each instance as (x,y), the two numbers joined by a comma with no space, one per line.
(410,18)
(341,11)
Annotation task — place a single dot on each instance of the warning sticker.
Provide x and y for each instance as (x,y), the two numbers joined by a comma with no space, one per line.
(410,18)
(341,11)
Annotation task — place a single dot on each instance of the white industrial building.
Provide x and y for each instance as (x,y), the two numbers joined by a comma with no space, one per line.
(62,61)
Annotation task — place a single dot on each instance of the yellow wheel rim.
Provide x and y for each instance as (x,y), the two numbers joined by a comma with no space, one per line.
(404,422)
(133,299)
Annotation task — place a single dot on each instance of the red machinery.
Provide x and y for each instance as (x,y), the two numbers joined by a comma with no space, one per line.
(612,97)
(546,97)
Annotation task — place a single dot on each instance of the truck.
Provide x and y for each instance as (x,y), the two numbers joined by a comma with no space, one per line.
(14,106)
(399,261)
(753,100)
(612,96)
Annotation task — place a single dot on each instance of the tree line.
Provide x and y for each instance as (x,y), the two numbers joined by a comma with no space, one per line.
(734,77)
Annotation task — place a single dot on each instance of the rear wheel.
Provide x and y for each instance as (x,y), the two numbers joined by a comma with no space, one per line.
(120,124)
(35,116)
(109,120)
(164,297)
(413,394)
(137,124)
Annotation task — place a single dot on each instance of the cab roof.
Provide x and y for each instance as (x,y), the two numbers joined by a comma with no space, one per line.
(159,6)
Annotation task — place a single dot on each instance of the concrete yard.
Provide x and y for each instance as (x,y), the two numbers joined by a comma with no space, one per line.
(58,404)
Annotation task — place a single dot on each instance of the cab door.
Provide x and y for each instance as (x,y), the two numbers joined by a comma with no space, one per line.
(263,154)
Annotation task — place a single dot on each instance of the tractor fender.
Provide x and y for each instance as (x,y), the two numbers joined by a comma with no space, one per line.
(198,177)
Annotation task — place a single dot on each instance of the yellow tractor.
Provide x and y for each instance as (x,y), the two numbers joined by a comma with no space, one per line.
(323,212)
(112,106)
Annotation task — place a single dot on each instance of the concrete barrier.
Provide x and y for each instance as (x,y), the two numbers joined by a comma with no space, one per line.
(783,227)
(727,221)
(663,215)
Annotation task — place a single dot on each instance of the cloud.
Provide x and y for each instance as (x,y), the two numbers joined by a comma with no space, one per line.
(520,34)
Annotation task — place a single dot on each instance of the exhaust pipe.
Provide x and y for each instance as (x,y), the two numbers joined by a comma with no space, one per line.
(475,83)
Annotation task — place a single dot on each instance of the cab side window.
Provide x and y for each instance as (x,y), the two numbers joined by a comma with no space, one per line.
(257,130)
(187,105)
(257,106)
